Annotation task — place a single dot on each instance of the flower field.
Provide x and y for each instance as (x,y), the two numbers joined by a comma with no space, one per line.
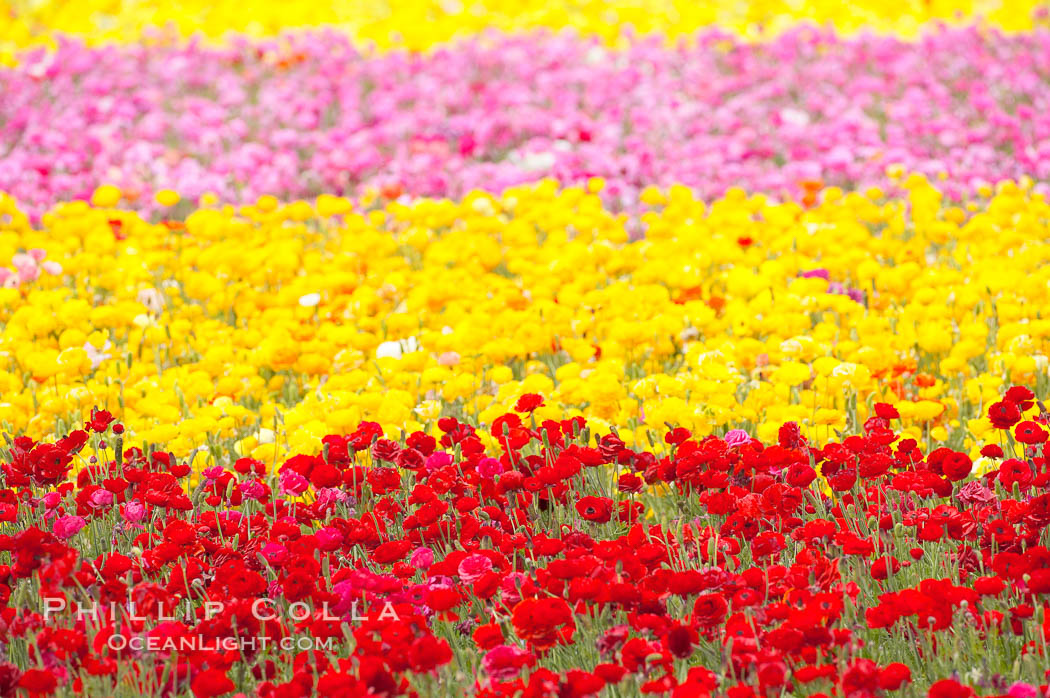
(525,349)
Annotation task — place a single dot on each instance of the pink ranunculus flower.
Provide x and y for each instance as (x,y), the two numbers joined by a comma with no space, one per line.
(133,512)
(213,472)
(252,489)
(509,592)
(474,567)
(737,437)
(489,468)
(504,661)
(421,558)
(100,499)
(274,553)
(449,358)
(27,274)
(68,526)
(329,538)
(974,492)
(22,261)
(1020,689)
(293,483)
(329,496)
(437,460)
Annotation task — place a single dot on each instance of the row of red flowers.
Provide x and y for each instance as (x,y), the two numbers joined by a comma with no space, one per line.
(564,563)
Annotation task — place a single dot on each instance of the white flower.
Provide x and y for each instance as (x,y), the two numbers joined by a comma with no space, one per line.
(795,117)
(310,300)
(393,349)
(97,356)
(533,162)
(483,206)
(596,56)
(791,346)
(152,299)
(389,350)
(845,370)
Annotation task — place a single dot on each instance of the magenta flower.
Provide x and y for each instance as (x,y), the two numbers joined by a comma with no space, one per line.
(68,526)
(133,512)
(421,558)
(489,468)
(293,483)
(737,437)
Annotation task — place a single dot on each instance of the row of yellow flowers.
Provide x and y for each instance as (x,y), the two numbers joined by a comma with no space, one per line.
(420,24)
(268,326)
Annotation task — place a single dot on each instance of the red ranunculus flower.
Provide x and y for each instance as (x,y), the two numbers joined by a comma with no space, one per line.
(542,622)
(1015,471)
(893,676)
(1004,414)
(211,683)
(596,509)
(956,466)
(1029,432)
(992,451)
(709,610)
(1021,396)
(528,403)
(949,688)
(886,411)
